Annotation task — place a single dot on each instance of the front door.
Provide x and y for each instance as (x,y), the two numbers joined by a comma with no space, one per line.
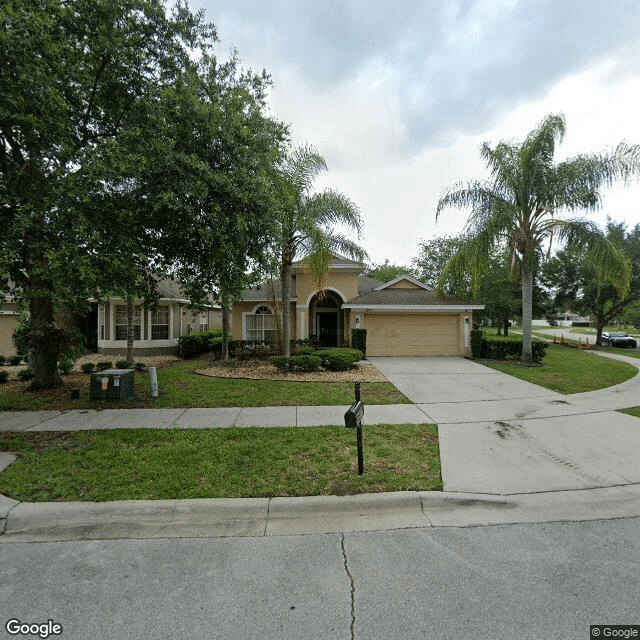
(328,328)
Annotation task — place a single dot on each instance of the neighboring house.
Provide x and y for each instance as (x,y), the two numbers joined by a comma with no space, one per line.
(566,319)
(403,317)
(155,332)
(8,322)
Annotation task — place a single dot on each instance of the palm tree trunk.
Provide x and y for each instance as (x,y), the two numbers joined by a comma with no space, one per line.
(285,277)
(527,305)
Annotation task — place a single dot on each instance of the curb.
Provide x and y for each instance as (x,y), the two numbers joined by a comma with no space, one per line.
(260,517)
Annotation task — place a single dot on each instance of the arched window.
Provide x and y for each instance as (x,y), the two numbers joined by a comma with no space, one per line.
(260,325)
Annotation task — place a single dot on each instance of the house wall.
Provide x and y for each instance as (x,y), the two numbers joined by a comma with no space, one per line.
(245,307)
(344,282)
(8,322)
(182,320)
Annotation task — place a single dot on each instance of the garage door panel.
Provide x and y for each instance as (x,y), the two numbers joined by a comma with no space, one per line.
(413,335)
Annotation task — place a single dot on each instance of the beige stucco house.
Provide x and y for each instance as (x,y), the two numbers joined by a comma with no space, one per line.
(155,332)
(8,322)
(403,317)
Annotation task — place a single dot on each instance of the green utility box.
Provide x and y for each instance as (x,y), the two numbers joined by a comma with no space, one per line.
(112,384)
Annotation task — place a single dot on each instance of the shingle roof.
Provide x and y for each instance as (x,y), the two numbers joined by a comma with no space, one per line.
(337,261)
(366,284)
(407,297)
(265,291)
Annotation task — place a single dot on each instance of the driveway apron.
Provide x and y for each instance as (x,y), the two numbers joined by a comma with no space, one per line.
(502,435)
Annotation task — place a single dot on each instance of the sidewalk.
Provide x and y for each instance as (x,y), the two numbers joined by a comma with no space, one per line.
(511,452)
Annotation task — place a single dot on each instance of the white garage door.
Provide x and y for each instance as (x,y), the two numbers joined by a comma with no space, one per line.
(413,335)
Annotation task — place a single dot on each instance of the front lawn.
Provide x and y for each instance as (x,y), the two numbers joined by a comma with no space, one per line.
(569,371)
(181,387)
(153,464)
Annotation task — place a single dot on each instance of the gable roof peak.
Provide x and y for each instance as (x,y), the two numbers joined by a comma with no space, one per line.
(409,278)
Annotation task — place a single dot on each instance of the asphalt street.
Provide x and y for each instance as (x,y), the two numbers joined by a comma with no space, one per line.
(526,581)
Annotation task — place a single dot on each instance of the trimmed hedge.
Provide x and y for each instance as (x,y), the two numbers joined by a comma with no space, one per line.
(88,367)
(193,344)
(104,364)
(296,363)
(359,340)
(123,364)
(511,349)
(477,340)
(4,376)
(340,359)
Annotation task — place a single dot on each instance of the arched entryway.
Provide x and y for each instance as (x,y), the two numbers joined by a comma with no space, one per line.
(326,321)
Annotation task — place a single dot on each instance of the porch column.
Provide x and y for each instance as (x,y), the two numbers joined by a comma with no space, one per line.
(303,330)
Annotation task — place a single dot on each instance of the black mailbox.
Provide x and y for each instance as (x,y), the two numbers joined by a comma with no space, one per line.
(353,416)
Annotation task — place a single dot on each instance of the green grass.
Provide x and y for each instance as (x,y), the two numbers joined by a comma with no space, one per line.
(139,464)
(569,371)
(633,411)
(181,387)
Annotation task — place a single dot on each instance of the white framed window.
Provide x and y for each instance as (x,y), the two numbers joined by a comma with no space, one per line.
(120,316)
(101,316)
(260,325)
(160,323)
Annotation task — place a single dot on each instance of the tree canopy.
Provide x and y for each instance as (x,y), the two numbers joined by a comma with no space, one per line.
(126,149)
(525,202)
(574,283)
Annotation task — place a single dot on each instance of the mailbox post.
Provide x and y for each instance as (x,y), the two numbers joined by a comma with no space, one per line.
(353,420)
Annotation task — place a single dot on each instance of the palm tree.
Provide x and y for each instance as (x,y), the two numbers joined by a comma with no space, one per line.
(307,224)
(520,204)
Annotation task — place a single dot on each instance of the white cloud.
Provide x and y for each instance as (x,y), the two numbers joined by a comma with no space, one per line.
(398,96)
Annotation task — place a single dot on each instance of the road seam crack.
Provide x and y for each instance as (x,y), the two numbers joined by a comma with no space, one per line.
(353,588)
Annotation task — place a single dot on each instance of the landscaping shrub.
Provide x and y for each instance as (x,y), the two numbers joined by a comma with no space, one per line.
(140,367)
(65,365)
(296,363)
(88,367)
(193,344)
(359,340)
(302,351)
(124,364)
(14,361)
(477,338)
(511,349)
(247,349)
(340,359)
(26,374)
(4,376)
(2,359)
(104,364)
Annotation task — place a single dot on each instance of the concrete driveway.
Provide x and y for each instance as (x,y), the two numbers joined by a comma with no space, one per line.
(502,435)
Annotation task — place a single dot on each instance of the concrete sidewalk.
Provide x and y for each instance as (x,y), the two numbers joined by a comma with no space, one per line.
(510,451)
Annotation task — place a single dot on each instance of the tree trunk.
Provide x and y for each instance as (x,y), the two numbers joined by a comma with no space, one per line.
(527,297)
(506,328)
(600,322)
(225,327)
(498,324)
(44,359)
(285,282)
(130,328)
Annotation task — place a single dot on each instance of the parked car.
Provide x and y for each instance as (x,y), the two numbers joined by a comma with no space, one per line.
(618,339)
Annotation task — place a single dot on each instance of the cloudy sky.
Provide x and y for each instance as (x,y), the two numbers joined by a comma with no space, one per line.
(398,95)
